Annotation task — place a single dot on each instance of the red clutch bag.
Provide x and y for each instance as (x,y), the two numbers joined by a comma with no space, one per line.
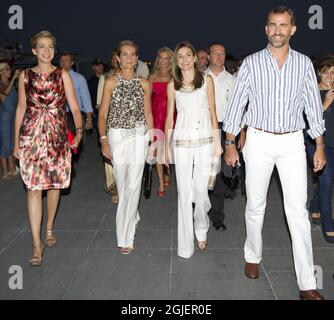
(70,139)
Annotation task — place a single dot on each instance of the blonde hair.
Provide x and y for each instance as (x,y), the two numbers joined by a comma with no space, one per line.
(2,65)
(42,34)
(156,63)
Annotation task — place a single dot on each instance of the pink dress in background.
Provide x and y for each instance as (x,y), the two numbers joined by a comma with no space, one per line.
(159,107)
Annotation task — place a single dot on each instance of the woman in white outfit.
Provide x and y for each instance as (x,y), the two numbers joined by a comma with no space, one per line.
(195,142)
(125,115)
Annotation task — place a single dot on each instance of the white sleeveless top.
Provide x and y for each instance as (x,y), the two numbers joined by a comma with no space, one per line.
(193,123)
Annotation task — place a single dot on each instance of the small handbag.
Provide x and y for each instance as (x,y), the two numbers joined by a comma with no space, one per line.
(214,170)
(110,184)
(147,180)
(70,139)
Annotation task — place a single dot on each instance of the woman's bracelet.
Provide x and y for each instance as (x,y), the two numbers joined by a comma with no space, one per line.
(103,138)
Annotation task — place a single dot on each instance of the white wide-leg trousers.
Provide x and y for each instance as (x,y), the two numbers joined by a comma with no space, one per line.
(192,167)
(129,156)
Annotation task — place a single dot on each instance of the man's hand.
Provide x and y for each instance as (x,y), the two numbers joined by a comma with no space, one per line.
(231,155)
(89,124)
(319,159)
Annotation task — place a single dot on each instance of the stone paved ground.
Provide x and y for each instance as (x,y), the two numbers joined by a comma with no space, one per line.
(85,263)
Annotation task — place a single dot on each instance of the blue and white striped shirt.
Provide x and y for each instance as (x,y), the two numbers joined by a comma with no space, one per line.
(277,97)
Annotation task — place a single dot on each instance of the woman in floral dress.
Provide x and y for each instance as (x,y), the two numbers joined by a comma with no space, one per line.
(41,137)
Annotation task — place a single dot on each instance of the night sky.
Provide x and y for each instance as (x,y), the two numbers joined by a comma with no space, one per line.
(93,29)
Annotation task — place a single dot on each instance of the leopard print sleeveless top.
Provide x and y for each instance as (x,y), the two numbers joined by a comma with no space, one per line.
(127,104)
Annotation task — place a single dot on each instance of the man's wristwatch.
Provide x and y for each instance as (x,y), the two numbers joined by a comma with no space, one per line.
(227,142)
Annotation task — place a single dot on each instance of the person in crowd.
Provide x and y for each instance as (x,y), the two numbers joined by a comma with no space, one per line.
(8,103)
(161,75)
(114,68)
(321,202)
(142,69)
(125,125)
(40,141)
(203,59)
(279,84)
(110,184)
(66,61)
(224,84)
(93,82)
(195,143)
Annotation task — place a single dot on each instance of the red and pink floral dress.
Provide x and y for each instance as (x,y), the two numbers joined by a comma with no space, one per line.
(45,155)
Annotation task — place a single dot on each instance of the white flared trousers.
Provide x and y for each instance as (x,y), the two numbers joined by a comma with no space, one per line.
(262,152)
(192,168)
(129,156)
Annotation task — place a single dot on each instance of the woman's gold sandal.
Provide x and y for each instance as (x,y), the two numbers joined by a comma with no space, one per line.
(36,259)
(50,239)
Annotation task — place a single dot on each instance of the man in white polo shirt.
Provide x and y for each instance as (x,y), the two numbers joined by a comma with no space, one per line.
(224,85)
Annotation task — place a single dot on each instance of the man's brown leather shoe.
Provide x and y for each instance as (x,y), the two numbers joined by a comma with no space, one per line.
(252,270)
(310,295)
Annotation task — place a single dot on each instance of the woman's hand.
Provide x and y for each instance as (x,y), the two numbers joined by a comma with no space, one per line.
(168,156)
(105,149)
(76,140)
(329,98)
(16,151)
(16,74)
(217,149)
(152,153)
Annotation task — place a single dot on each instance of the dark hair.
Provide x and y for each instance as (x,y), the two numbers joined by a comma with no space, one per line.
(113,53)
(126,43)
(280,10)
(176,71)
(66,53)
(325,64)
(214,44)
(202,50)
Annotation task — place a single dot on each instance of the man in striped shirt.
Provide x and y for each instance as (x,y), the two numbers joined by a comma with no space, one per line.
(279,84)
